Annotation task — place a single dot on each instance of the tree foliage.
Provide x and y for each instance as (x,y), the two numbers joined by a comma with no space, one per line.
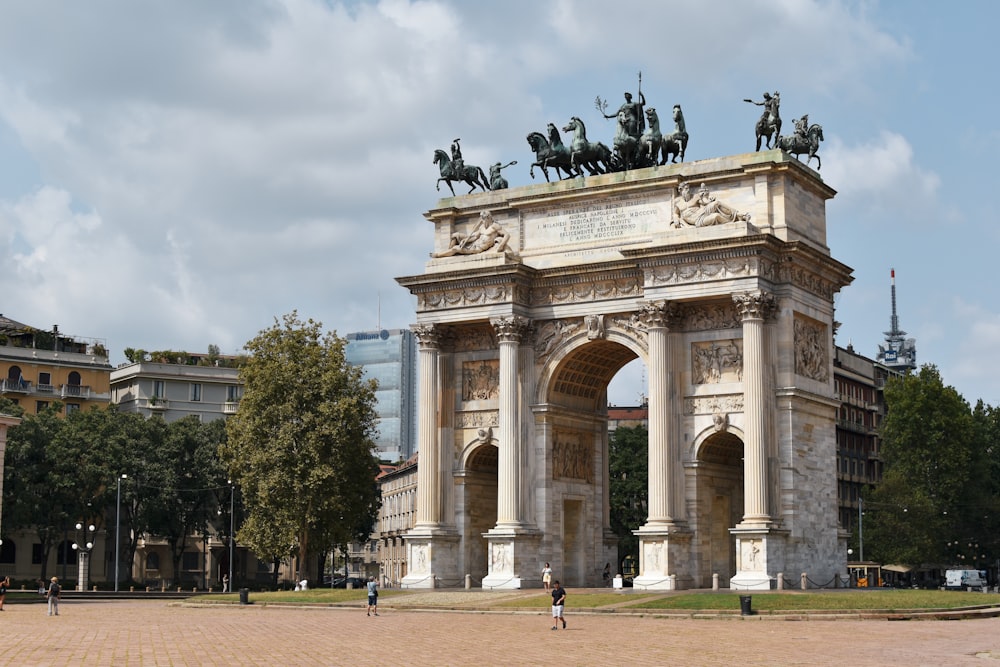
(301,445)
(628,479)
(936,487)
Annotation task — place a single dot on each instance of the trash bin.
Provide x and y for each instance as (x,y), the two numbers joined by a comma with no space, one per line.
(244,596)
(745,609)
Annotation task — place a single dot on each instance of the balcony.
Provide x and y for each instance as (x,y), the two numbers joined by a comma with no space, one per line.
(156,403)
(74,391)
(230,407)
(15,386)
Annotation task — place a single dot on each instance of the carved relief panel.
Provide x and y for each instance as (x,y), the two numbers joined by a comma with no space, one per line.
(481,380)
(572,456)
(717,361)
(812,354)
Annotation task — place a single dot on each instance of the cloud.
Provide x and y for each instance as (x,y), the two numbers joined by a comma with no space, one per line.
(882,176)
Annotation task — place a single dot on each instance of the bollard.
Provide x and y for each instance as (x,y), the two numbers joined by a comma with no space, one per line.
(468,582)
(244,596)
(745,609)
(95,589)
(133,589)
(781,581)
(715,581)
(805,581)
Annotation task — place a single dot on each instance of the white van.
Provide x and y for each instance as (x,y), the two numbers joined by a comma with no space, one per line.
(965,579)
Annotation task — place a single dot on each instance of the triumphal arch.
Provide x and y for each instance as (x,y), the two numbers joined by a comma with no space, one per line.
(717,275)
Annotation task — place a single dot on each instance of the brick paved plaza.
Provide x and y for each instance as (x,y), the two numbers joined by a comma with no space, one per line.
(161,633)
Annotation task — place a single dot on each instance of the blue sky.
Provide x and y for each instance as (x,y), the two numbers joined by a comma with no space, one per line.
(174,175)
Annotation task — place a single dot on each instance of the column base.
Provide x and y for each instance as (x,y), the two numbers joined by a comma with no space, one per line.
(431,559)
(759,556)
(664,558)
(513,558)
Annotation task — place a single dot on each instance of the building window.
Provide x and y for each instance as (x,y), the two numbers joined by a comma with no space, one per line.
(189,560)
(36,553)
(44,382)
(153,561)
(195,391)
(40,405)
(232,393)
(158,389)
(65,553)
(8,552)
(72,407)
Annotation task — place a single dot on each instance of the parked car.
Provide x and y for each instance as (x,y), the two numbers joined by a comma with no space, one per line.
(341,582)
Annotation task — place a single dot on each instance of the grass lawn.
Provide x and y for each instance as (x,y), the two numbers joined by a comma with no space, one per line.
(790,600)
(314,596)
(825,600)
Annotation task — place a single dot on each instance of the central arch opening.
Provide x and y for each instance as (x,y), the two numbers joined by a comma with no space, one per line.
(575,428)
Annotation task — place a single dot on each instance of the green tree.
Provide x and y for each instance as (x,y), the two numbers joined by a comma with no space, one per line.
(35,496)
(935,481)
(629,482)
(301,444)
(182,477)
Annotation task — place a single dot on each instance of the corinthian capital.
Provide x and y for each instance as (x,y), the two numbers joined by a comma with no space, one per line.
(754,305)
(428,335)
(511,329)
(659,314)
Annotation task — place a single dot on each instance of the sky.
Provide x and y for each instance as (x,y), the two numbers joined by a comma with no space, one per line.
(178,175)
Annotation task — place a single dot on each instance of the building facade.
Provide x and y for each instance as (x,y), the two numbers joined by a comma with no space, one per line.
(389,356)
(532,301)
(38,368)
(859,383)
(396,516)
(179,390)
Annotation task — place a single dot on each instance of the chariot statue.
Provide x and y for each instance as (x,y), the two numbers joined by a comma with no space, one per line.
(455,169)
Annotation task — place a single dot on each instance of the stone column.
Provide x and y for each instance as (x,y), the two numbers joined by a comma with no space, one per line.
(429,489)
(509,331)
(754,309)
(662,447)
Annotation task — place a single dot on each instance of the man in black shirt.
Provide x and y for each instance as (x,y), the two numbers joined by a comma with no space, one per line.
(558,602)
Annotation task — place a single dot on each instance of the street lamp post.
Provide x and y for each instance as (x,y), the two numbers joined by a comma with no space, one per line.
(861,531)
(83,552)
(118,515)
(232,537)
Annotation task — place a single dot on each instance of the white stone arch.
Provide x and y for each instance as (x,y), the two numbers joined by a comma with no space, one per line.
(551,365)
(715,458)
(707,433)
(603,278)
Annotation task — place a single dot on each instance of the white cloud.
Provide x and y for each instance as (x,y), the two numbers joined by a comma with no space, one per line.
(882,176)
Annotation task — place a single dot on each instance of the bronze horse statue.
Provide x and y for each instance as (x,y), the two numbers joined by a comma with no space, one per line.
(472,175)
(676,144)
(626,146)
(797,144)
(766,130)
(550,154)
(589,154)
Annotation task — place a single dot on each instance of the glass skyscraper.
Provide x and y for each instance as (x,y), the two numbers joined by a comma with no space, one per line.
(390,357)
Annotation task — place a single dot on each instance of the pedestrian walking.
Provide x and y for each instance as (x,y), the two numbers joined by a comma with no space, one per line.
(547,577)
(558,604)
(53,594)
(372,596)
(4,585)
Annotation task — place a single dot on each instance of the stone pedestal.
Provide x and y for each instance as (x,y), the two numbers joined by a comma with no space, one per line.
(663,557)
(758,559)
(513,560)
(432,559)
